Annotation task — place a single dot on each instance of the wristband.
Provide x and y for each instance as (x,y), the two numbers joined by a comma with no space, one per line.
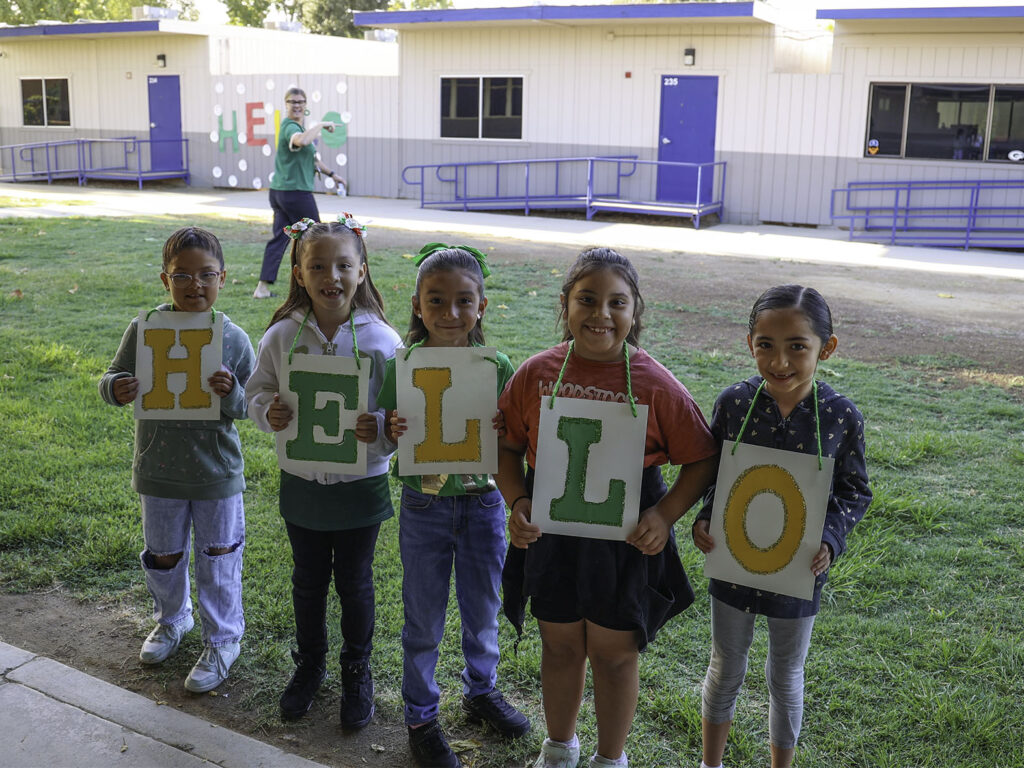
(518,499)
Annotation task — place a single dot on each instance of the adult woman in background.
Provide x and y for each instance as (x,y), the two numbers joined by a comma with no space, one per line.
(291,191)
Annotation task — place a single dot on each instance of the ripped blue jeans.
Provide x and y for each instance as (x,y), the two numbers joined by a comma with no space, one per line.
(167,526)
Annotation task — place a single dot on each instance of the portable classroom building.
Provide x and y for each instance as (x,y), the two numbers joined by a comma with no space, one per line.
(219,87)
(784,102)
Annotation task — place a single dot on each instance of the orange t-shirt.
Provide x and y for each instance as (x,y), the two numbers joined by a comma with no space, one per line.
(677,432)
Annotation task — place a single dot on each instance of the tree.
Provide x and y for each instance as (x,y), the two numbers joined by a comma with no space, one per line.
(334,17)
(32,11)
(247,13)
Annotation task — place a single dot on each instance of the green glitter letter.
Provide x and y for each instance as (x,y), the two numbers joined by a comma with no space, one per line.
(306,385)
(571,507)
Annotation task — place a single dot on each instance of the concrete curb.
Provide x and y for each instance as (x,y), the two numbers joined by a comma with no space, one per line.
(53,715)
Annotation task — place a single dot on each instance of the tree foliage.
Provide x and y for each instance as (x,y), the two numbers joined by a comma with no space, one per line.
(334,17)
(33,11)
(247,13)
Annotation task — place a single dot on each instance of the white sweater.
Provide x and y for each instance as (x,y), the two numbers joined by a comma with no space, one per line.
(377,342)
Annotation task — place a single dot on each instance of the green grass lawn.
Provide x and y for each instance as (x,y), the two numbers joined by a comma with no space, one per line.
(917,657)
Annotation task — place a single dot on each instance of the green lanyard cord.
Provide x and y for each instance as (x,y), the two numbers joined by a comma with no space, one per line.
(421,342)
(565,363)
(355,345)
(750,411)
(213,313)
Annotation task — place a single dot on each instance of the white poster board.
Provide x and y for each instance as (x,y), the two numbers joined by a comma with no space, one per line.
(448,397)
(326,394)
(590,461)
(767,518)
(176,353)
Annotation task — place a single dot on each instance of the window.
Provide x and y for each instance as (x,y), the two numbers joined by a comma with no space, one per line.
(45,102)
(946,122)
(482,107)
(1007,142)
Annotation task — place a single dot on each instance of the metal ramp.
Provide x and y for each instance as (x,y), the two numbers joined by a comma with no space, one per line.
(124,158)
(620,183)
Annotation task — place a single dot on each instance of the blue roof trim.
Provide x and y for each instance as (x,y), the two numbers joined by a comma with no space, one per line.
(92,28)
(557,13)
(951,12)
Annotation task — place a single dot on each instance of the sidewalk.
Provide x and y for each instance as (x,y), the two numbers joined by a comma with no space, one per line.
(55,716)
(761,242)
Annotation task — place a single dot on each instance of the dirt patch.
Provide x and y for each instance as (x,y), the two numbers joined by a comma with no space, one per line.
(968,327)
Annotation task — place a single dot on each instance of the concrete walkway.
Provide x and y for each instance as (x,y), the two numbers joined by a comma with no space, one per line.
(55,716)
(761,242)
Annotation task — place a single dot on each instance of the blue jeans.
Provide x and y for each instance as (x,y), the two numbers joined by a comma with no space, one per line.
(434,532)
(732,632)
(167,526)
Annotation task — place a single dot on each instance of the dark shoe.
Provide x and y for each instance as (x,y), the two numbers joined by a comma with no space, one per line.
(496,712)
(430,748)
(356,694)
(298,694)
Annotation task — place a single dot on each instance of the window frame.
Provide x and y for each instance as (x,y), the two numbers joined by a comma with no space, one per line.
(480,106)
(42,79)
(909,85)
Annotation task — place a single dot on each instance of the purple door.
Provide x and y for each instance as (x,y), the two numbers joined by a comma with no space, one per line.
(165,123)
(689,106)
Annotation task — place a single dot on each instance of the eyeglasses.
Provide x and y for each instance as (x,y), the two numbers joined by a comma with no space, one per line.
(296,103)
(203,279)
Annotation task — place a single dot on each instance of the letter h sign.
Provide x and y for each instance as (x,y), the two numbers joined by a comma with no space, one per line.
(175,355)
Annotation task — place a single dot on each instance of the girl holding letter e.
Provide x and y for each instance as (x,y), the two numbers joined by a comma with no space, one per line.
(783,407)
(600,600)
(449,520)
(332,309)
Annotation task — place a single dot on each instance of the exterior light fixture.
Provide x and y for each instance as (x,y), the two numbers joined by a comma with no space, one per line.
(689,57)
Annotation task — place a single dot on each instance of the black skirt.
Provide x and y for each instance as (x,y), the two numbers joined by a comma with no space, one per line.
(615,585)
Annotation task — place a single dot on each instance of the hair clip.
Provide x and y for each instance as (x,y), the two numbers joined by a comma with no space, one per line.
(294,231)
(431,248)
(350,221)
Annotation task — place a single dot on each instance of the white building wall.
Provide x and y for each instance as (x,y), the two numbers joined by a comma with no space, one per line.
(577,99)
(985,57)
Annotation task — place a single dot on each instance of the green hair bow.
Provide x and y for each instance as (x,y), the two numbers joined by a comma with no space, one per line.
(431,248)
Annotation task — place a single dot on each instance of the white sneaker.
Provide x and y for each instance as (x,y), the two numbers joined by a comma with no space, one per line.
(262,291)
(164,640)
(212,668)
(598,761)
(554,754)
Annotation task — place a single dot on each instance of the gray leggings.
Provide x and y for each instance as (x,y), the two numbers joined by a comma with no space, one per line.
(732,632)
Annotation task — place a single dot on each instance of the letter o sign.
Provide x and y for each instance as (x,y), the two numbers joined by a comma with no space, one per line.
(752,482)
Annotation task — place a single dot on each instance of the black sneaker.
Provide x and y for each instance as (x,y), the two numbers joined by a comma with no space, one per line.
(356,694)
(496,712)
(298,695)
(430,748)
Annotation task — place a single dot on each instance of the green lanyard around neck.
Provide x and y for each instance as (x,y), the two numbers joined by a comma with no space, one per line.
(423,341)
(328,347)
(565,364)
(750,411)
(213,313)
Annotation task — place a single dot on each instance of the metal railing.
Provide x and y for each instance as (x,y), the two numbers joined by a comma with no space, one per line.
(593,183)
(123,157)
(950,214)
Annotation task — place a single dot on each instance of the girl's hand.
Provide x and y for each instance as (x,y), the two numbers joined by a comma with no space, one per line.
(222,382)
(521,531)
(822,560)
(396,425)
(278,414)
(651,532)
(701,537)
(366,427)
(498,422)
(126,389)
